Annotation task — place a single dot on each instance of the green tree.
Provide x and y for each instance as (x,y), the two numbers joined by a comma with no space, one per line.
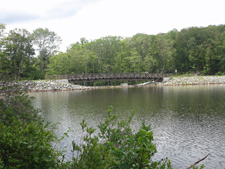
(105,49)
(2,28)
(220,52)
(162,51)
(58,64)
(47,44)
(142,43)
(135,59)
(75,53)
(122,63)
(181,58)
(17,53)
(2,60)
(150,63)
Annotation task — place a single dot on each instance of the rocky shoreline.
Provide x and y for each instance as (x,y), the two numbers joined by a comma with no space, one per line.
(53,85)
(194,80)
(63,85)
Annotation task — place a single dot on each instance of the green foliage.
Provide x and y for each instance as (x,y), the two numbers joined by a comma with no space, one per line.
(116,146)
(15,58)
(19,104)
(47,43)
(59,65)
(218,73)
(193,50)
(24,139)
(17,52)
(26,145)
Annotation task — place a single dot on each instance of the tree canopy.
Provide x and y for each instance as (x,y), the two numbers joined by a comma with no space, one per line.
(191,50)
(25,55)
(33,55)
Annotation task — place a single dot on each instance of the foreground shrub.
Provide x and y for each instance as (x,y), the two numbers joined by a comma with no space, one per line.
(19,103)
(25,142)
(116,146)
(26,145)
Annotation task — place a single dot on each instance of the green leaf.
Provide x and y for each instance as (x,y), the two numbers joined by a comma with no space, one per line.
(46,158)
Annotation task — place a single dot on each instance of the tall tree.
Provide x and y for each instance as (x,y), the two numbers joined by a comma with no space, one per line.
(105,49)
(181,59)
(17,52)
(46,43)
(122,64)
(58,64)
(2,28)
(162,51)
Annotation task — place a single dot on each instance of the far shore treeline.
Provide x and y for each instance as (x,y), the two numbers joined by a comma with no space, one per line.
(25,55)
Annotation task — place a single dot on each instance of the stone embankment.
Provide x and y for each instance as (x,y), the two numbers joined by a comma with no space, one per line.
(54,85)
(50,85)
(195,80)
(63,85)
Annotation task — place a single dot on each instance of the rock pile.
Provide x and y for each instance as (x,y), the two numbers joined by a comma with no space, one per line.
(41,86)
(195,80)
(56,85)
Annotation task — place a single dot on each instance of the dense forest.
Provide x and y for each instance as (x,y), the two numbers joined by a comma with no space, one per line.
(26,55)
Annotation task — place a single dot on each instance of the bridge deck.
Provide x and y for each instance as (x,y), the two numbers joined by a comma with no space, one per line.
(114,76)
(108,77)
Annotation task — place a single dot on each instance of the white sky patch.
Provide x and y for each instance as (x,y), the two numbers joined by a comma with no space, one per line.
(93,19)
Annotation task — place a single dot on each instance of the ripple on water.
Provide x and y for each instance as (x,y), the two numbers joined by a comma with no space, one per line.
(185,141)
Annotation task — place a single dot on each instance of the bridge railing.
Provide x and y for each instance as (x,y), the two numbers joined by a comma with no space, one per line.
(107,76)
(113,76)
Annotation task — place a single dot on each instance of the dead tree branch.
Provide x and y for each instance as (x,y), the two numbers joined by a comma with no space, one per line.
(197,162)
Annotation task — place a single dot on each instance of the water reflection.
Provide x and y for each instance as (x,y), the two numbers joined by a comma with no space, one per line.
(188,121)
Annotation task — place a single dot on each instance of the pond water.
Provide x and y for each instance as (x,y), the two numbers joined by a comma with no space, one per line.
(188,122)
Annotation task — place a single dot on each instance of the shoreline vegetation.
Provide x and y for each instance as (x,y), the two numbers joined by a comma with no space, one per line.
(62,85)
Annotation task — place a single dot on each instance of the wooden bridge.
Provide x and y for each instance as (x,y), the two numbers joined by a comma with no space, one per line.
(91,77)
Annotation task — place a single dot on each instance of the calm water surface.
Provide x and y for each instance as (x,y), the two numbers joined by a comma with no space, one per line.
(188,121)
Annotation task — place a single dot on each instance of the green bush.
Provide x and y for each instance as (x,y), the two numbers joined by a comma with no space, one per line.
(19,103)
(116,146)
(219,73)
(25,142)
(26,145)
